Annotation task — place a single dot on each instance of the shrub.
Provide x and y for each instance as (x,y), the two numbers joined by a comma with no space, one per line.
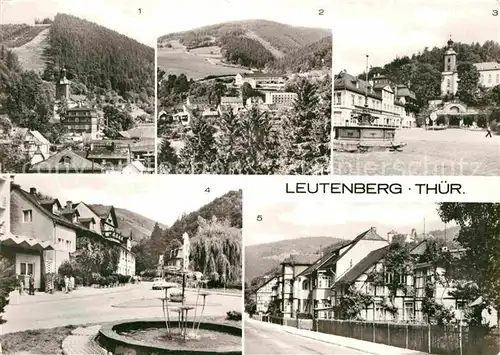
(233,315)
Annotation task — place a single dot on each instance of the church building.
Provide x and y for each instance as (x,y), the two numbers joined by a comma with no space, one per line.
(489,72)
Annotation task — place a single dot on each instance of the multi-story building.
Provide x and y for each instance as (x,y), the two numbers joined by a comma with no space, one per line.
(107,226)
(291,267)
(385,102)
(261,81)
(33,144)
(314,294)
(42,224)
(281,99)
(489,72)
(416,285)
(81,120)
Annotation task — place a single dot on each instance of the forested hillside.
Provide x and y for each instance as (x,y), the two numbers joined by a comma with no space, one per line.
(250,43)
(99,57)
(311,57)
(225,208)
(422,71)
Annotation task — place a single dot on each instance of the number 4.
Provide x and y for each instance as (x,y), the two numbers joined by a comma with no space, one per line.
(207,189)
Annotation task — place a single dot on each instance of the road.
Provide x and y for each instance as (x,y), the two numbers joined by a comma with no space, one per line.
(261,338)
(104,305)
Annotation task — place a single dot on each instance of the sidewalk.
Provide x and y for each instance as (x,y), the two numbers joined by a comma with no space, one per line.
(350,343)
(16,299)
(215,292)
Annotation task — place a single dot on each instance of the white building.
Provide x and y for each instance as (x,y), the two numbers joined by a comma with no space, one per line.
(489,72)
(261,81)
(385,101)
(266,294)
(281,99)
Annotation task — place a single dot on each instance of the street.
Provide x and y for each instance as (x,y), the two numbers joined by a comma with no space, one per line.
(262,338)
(101,305)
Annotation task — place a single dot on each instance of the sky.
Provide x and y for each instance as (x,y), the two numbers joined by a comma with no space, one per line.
(121,16)
(160,198)
(290,220)
(177,16)
(385,29)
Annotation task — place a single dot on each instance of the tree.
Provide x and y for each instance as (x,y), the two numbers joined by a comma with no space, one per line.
(167,158)
(468,80)
(7,283)
(199,154)
(13,159)
(29,103)
(217,248)
(480,237)
(116,121)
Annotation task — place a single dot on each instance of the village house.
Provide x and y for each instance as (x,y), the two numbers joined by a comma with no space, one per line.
(291,267)
(106,225)
(405,305)
(67,161)
(266,294)
(43,233)
(313,285)
(386,102)
(82,121)
(33,144)
(281,99)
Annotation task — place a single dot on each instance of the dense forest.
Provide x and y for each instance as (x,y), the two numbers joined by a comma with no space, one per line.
(289,141)
(314,56)
(99,57)
(244,51)
(422,71)
(227,209)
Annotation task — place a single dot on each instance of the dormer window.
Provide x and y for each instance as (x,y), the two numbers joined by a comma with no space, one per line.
(75,218)
(65,160)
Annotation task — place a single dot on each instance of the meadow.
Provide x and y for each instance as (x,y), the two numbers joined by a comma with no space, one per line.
(449,152)
(196,64)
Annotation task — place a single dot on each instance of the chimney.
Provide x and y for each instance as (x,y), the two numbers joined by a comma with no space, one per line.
(12,179)
(390,235)
(373,229)
(69,204)
(33,190)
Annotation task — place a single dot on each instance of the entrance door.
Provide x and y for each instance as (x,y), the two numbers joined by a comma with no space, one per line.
(27,269)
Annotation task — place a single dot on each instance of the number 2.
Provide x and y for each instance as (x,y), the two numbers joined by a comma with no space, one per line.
(321,12)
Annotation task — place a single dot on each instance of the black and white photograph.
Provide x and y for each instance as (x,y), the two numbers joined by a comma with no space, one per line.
(417,90)
(371,278)
(87,269)
(76,87)
(244,87)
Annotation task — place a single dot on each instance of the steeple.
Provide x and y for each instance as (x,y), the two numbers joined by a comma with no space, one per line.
(62,86)
(450,43)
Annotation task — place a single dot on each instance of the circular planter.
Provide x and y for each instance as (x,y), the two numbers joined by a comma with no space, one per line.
(118,344)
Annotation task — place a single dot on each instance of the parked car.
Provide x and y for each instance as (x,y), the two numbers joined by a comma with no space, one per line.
(158,283)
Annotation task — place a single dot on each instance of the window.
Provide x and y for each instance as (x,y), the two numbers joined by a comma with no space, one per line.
(489,78)
(498,78)
(338,98)
(27,269)
(27,216)
(324,281)
(409,311)
(305,285)
(353,100)
(448,83)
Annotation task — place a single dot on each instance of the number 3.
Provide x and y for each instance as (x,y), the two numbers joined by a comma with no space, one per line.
(495,12)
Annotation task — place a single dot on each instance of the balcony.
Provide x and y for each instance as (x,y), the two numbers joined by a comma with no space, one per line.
(112,234)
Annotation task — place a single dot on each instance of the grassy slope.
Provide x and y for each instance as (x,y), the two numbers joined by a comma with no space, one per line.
(261,258)
(17,35)
(140,226)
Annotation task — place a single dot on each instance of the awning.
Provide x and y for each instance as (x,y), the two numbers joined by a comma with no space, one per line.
(25,242)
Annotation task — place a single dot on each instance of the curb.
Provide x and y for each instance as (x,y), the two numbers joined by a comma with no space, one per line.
(329,342)
(119,290)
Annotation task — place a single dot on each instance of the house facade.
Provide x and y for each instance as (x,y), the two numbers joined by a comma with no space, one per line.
(81,120)
(266,294)
(107,226)
(385,102)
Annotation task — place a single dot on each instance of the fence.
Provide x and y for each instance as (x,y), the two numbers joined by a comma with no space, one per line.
(432,339)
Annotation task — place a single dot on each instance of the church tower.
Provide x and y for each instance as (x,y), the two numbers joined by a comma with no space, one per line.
(449,76)
(450,58)
(62,86)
